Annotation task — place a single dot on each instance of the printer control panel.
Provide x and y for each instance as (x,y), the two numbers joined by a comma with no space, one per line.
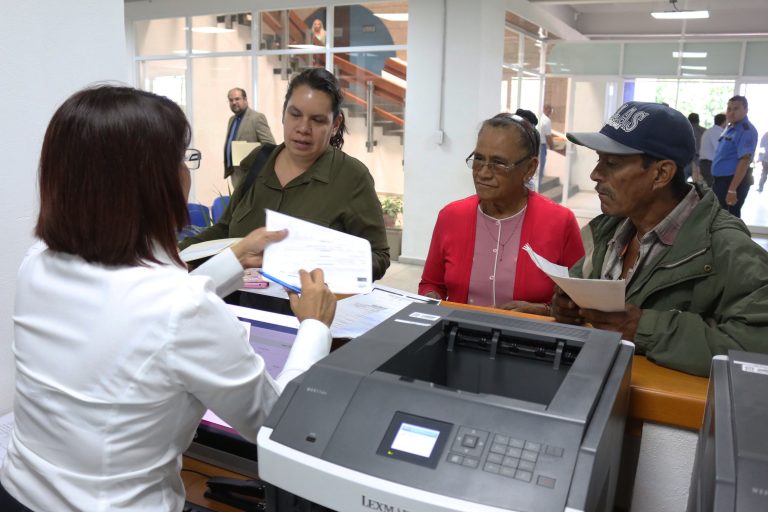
(508,456)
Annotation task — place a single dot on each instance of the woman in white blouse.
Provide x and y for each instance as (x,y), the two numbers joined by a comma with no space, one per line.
(119,351)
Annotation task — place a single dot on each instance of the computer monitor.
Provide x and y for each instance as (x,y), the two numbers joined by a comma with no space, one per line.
(271,335)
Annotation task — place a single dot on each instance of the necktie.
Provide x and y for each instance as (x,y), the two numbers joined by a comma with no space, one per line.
(230,138)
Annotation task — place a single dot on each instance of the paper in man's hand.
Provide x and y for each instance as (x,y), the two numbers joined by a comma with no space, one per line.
(600,294)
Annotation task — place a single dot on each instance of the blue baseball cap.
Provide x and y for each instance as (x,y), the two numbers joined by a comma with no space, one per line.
(643,128)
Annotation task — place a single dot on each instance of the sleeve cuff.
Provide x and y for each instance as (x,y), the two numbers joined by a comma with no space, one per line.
(313,342)
(225,271)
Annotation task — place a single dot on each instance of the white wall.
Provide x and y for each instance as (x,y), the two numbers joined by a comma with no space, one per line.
(664,469)
(48,50)
(435,174)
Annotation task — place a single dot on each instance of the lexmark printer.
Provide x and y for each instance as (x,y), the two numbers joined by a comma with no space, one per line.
(440,409)
(730,471)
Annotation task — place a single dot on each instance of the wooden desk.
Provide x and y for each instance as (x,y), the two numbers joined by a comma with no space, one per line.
(657,394)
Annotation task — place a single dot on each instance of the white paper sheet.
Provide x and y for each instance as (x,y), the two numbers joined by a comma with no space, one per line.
(6,427)
(241,149)
(345,259)
(358,314)
(206,249)
(601,294)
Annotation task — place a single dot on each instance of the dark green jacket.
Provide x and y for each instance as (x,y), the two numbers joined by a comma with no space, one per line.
(336,192)
(704,295)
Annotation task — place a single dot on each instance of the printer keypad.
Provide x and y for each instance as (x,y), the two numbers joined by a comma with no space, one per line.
(507,456)
(470,442)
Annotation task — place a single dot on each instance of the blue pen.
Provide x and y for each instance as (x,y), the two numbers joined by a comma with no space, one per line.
(281,283)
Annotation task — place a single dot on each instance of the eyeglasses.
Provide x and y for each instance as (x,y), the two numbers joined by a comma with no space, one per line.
(192,158)
(477,164)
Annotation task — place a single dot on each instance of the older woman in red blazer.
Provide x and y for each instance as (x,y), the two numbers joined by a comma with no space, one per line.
(476,254)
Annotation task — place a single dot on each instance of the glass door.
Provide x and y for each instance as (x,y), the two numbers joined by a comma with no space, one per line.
(755,210)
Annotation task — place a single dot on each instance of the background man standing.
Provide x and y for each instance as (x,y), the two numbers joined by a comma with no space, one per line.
(730,167)
(763,158)
(246,125)
(547,142)
(692,169)
(709,147)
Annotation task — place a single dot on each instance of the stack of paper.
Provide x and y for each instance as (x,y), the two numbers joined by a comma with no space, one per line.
(206,249)
(358,314)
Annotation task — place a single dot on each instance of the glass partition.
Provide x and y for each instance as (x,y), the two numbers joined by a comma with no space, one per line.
(583,58)
(710,59)
(377,142)
(756,58)
(654,59)
(221,33)
(293,29)
(373,24)
(212,78)
(166,78)
(160,37)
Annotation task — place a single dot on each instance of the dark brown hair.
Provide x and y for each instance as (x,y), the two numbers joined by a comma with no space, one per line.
(319,79)
(110,188)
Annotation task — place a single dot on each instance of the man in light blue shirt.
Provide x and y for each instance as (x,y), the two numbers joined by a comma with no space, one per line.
(708,148)
(731,166)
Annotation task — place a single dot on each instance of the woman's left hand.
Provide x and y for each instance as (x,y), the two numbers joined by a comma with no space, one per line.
(250,250)
(531,308)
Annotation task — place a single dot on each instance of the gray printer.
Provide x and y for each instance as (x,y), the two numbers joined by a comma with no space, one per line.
(440,409)
(730,471)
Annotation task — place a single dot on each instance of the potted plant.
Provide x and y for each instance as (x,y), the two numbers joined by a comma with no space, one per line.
(391,207)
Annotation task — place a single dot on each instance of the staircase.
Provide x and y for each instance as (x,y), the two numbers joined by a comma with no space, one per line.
(553,189)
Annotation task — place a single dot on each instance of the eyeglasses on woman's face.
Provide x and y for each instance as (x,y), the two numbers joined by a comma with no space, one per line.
(192,158)
(477,164)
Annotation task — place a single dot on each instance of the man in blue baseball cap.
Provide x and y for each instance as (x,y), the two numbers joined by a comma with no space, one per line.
(696,283)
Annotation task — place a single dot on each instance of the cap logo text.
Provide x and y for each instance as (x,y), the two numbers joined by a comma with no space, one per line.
(627,120)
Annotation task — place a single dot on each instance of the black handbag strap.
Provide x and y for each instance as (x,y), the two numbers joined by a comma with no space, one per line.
(261,158)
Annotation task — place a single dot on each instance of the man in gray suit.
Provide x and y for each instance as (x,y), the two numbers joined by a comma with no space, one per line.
(247,125)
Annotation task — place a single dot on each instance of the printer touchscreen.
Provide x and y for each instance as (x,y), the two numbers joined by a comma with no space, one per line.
(415,439)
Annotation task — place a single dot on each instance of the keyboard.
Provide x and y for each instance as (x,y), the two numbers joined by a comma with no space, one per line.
(193,507)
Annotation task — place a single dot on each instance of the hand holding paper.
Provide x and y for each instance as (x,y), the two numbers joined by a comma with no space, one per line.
(600,294)
(344,259)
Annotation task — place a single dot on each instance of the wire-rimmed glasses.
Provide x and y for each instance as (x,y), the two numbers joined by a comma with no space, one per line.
(477,164)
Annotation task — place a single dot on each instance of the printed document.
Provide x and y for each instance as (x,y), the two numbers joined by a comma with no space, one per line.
(206,249)
(345,259)
(601,294)
(358,314)
(241,149)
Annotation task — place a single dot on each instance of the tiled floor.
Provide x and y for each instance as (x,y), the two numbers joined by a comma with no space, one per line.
(403,276)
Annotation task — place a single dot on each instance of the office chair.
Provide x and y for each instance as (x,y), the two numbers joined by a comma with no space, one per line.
(218,207)
(199,215)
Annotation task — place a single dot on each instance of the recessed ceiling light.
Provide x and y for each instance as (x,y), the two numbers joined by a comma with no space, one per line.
(677,14)
(680,15)
(694,68)
(689,55)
